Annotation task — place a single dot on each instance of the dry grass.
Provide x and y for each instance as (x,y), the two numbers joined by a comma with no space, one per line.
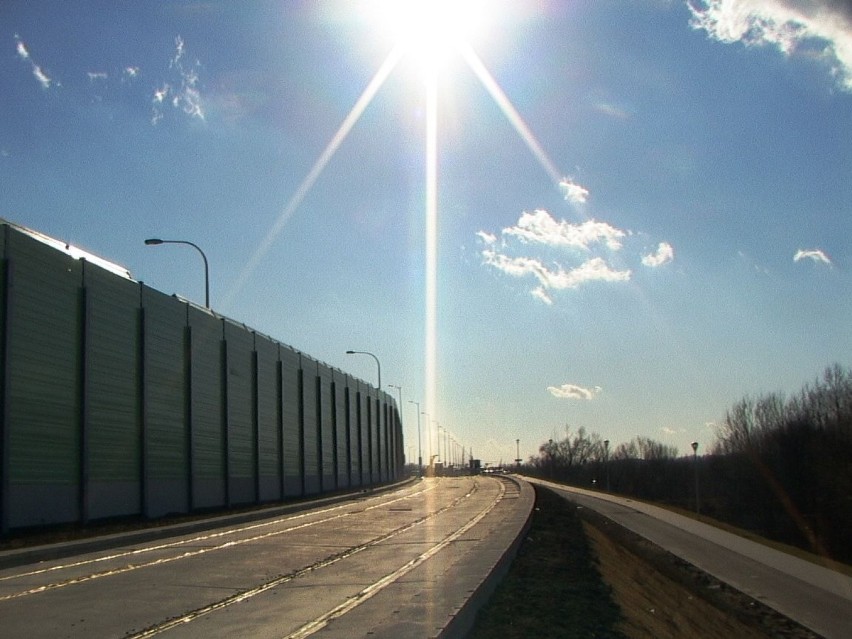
(580,575)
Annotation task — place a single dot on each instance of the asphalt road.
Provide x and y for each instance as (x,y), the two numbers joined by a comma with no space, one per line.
(398,564)
(815,596)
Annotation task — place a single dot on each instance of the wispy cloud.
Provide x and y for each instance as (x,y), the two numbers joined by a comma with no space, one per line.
(24,54)
(663,255)
(573,192)
(572,391)
(43,79)
(184,92)
(21,48)
(751,263)
(612,110)
(554,277)
(560,255)
(487,238)
(540,227)
(812,254)
(820,28)
(96,75)
(541,295)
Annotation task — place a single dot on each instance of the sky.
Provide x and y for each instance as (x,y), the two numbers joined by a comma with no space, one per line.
(620,215)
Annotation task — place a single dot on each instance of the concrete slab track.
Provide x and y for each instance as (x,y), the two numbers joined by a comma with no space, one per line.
(413,562)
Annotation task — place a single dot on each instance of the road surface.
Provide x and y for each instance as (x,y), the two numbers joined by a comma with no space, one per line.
(399,564)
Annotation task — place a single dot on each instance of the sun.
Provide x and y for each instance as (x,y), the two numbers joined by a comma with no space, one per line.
(429,31)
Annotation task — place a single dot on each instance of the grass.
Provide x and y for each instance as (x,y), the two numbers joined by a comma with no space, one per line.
(554,588)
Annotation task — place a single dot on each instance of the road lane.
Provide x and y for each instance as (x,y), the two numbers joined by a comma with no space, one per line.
(815,596)
(315,572)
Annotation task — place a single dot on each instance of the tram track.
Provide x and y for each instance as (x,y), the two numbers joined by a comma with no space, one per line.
(307,545)
(311,627)
(193,540)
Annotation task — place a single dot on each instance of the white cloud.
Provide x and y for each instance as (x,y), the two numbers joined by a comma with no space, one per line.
(572,391)
(595,269)
(824,26)
(513,252)
(663,255)
(487,238)
(556,278)
(160,94)
(540,227)
(96,75)
(184,94)
(43,79)
(540,294)
(813,254)
(130,73)
(21,48)
(573,192)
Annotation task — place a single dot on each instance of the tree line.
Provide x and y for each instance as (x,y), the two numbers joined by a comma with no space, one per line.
(780,466)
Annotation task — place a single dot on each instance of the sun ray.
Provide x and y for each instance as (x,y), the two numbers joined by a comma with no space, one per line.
(349,121)
(509,111)
(431,345)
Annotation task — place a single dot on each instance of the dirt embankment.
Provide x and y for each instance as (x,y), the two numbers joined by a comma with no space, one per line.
(662,596)
(580,575)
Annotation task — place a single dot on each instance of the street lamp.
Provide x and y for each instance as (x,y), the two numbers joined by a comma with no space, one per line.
(428,436)
(695,458)
(440,445)
(155,241)
(419,450)
(606,462)
(378,363)
(399,390)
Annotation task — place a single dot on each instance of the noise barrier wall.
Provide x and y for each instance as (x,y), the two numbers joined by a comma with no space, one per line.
(117,400)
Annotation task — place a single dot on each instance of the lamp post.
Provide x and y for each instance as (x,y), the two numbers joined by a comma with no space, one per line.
(155,241)
(518,453)
(437,431)
(378,363)
(419,450)
(399,390)
(440,447)
(695,459)
(606,462)
(428,437)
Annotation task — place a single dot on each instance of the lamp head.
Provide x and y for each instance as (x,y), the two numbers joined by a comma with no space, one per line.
(151,241)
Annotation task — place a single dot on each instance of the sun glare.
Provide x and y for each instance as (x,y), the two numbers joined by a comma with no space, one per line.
(429,30)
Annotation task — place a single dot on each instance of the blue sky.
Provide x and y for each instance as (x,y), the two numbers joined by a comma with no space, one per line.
(643,207)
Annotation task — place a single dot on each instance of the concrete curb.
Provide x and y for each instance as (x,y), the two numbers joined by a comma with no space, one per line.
(463,621)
